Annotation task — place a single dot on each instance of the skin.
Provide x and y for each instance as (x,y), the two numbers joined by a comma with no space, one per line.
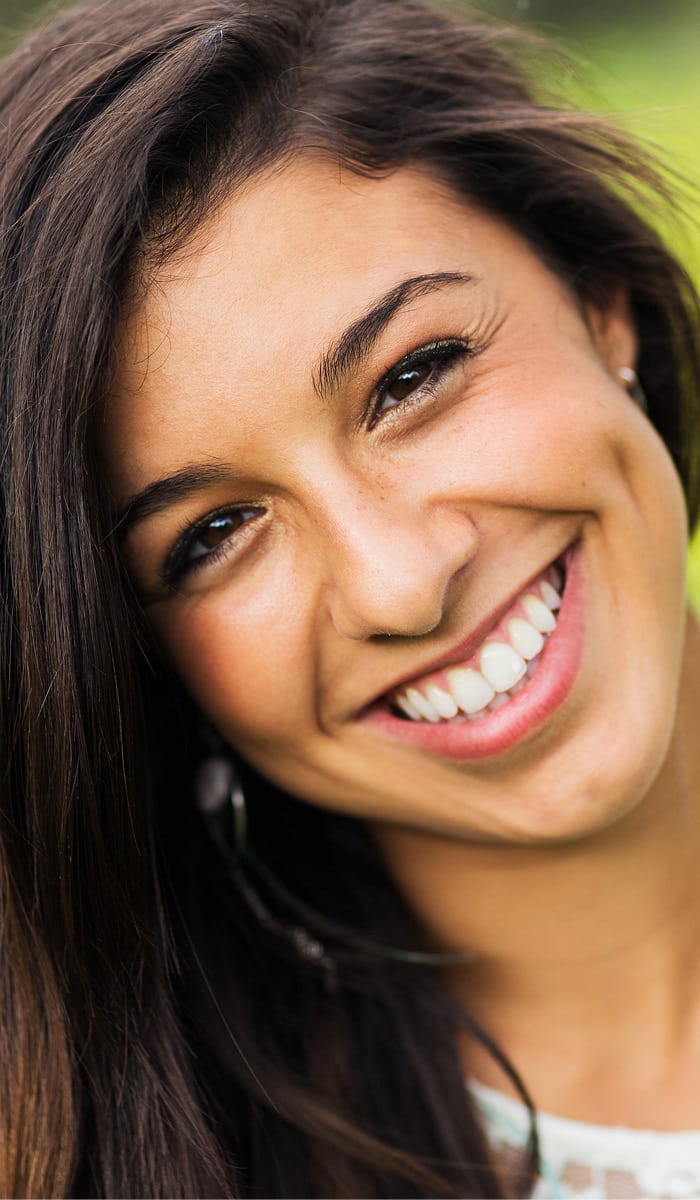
(567,862)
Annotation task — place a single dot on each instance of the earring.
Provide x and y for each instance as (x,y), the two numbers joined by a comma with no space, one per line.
(629,377)
(218,791)
(217,786)
(213,781)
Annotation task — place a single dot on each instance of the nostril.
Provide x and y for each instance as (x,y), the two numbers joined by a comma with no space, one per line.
(392,579)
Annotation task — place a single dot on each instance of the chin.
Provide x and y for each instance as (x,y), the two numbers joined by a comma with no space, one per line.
(575,801)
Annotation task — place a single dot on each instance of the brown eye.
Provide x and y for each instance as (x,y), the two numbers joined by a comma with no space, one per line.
(418,377)
(218,530)
(205,542)
(214,533)
(404,383)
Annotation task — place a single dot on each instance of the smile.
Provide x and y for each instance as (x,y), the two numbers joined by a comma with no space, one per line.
(508,686)
(498,669)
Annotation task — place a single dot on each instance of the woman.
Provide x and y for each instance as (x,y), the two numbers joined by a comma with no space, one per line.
(330,490)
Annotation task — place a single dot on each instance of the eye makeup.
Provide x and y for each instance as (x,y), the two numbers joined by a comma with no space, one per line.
(416,379)
(191,551)
(417,376)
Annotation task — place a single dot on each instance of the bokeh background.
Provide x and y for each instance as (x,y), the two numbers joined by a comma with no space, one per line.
(636,59)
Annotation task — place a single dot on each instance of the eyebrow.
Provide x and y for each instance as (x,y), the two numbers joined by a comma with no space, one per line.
(345,354)
(355,343)
(167,491)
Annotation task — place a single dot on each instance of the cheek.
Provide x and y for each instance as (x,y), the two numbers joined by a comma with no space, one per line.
(509,448)
(247,660)
(559,433)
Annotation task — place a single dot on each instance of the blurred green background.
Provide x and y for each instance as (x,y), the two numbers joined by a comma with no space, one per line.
(636,59)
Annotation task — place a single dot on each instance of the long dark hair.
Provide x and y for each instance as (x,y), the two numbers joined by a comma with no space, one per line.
(156,1037)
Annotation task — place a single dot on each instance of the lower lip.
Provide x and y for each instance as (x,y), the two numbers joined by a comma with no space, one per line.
(527,711)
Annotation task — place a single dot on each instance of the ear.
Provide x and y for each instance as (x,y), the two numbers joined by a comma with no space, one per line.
(613,331)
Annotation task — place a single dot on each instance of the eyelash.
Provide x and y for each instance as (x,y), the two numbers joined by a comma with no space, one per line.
(440,357)
(178,565)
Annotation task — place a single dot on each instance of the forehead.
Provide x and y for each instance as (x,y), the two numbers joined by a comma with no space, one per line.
(312,229)
(245,309)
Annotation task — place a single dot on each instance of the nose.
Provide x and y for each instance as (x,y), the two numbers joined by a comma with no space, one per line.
(390,563)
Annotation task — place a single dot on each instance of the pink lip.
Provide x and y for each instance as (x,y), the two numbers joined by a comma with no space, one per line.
(465,649)
(499,731)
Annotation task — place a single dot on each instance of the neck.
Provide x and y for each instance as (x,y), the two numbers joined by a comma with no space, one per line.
(566,938)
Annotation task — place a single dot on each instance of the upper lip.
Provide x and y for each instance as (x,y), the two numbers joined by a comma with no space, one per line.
(466,647)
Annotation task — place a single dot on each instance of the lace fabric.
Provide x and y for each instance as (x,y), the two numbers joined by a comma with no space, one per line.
(593,1162)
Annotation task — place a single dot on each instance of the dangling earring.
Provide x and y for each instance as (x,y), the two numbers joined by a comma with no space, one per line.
(216,785)
(220,794)
(629,377)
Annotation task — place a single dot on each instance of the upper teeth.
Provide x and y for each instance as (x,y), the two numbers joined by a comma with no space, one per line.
(498,667)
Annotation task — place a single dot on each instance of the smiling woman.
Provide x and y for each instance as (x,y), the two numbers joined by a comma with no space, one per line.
(351,781)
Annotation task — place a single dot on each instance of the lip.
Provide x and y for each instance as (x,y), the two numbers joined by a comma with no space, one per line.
(465,648)
(541,696)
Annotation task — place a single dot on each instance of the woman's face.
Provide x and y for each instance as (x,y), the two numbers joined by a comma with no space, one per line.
(378,424)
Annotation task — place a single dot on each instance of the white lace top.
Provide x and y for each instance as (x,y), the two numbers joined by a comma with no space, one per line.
(598,1162)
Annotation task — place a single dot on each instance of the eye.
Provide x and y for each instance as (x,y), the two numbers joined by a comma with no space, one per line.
(404,384)
(213,534)
(417,376)
(205,542)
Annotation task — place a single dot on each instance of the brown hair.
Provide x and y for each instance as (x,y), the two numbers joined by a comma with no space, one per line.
(157,1039)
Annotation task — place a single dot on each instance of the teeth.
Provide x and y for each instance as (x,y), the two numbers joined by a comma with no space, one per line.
(423,706)
(406,707)
(470,689)
(501,666)
(550,595)
(442,702)
(538,614)
(524,638)
(505,666)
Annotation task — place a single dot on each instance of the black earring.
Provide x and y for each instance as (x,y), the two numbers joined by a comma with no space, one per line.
(221,800)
